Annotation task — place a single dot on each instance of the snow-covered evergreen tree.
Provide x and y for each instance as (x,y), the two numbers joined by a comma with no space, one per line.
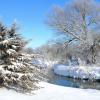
(16,69)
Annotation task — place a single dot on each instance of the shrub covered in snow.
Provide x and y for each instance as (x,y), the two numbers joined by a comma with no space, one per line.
(16,69)
(81,72)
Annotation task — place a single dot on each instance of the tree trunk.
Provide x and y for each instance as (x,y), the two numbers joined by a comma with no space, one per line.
(93,54)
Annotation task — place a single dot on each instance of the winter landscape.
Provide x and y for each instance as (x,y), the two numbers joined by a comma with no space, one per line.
(50,50)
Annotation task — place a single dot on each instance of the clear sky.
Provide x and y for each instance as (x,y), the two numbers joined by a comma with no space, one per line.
(30,15)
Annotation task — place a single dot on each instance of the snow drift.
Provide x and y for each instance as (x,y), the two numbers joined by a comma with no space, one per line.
(52,92)
(82,72)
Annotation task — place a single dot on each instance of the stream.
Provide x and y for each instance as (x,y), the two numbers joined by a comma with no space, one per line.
(70,82)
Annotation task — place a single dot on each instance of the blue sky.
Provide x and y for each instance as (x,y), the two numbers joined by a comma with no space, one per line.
(30,15)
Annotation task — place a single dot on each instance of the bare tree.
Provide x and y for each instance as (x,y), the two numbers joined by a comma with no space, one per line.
(79,20)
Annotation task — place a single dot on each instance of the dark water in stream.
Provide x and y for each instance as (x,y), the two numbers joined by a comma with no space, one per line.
(70,82)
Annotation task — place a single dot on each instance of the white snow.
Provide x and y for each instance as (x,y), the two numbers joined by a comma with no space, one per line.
(83,72)
(52,92)
(11,51)
(5,41)
(14,47)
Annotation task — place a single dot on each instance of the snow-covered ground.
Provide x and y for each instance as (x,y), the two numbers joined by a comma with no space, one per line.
(83,72)
(52,92)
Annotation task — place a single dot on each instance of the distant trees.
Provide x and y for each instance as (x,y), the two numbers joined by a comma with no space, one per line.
(79,20)
(55,51)
(28,50)
(16,69)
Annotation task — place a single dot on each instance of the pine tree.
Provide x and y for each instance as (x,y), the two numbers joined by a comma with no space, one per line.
(16,69)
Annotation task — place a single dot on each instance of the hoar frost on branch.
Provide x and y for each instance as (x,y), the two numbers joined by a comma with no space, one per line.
(80,20)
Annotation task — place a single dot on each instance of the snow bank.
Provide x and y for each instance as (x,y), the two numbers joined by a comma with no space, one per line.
(52,92)
(83,72)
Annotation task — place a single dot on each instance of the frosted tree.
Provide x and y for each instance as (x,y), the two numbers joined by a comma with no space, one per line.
(16,69)
(29,50)
(79,20)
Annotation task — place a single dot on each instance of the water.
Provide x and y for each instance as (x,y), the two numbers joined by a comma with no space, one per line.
(76,83)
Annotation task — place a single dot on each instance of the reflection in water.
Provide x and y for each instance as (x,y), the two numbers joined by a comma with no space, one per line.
(70,82)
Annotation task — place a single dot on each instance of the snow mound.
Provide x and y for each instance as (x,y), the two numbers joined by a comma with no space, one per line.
(82,72)
(52,92)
